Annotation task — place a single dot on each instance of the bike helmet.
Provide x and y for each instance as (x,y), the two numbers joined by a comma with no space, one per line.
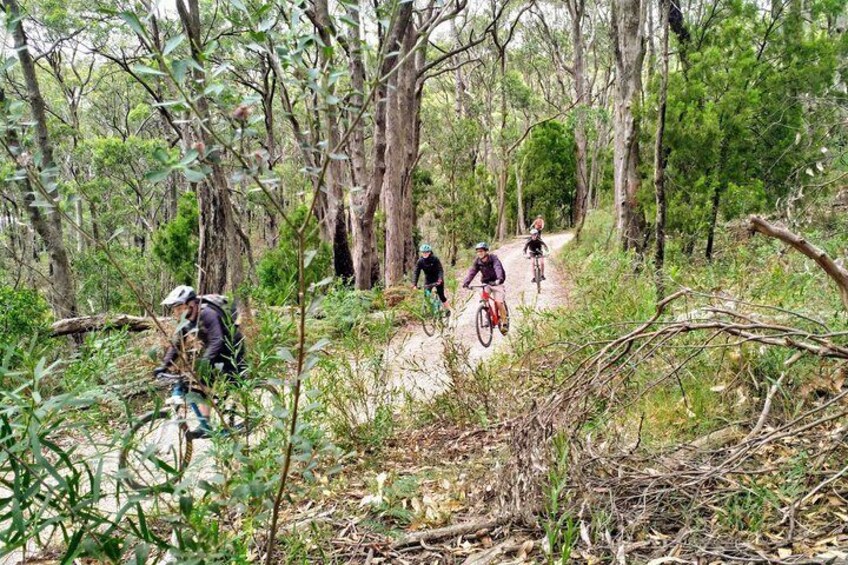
(425,248)
(180,295)
(534,231)
(482,245)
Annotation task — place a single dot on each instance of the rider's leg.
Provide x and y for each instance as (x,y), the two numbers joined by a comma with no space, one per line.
(440,290)
(499,296)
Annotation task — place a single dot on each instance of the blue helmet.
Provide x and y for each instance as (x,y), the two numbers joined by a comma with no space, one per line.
(425,248)
(482,245)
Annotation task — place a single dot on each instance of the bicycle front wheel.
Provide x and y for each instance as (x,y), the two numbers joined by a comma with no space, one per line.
(157,450)
(537,272)
(253,415)
(428,321)
(484,326)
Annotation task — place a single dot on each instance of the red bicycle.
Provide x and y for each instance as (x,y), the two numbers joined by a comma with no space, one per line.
(487,316)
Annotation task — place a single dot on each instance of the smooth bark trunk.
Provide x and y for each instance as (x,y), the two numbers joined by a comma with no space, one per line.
(660,157)
(629,48)
(46,220)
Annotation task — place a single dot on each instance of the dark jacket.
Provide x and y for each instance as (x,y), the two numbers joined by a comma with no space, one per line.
(432,268)
(535,245)
(490,271)
(223,343)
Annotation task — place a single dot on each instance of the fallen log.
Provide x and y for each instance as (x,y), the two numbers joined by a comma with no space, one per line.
(100,322)
(464,529)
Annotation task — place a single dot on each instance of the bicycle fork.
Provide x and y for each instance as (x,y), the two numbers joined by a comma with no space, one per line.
(178,396)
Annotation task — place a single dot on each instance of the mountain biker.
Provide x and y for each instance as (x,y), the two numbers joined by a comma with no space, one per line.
(534,245)
(493,275)
(433,273)
(538,225)
(222,342)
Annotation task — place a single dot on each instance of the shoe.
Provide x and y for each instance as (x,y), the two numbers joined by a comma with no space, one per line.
(534,279)
(447,313)
(543,278)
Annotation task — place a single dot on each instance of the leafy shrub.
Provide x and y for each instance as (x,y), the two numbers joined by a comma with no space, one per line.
(277,270)
(102,288)
(176,243)
(23,314)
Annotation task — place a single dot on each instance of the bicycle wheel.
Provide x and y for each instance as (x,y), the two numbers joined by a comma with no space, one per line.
(537,273)
(428,321)
(157,450)
(252,416)
(484,326)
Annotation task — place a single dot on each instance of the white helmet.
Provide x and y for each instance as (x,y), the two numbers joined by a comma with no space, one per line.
(534,231)
(180,295)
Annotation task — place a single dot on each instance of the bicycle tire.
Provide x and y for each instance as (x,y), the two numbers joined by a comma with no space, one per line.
(503,324)
(537,272)
(484,326)
(182,453)
(258,421)
(428,322)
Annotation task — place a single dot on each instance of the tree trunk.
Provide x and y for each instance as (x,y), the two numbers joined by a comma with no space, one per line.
(708,253)
(503,168)
(365,201)
(399,121)
(46,221)
(521,224)
(660,157)
(219,252)
(581,193)
(629,47)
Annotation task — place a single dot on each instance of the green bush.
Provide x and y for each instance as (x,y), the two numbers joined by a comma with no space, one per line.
(102,287)
(277,270)
(24,314)
(176,243)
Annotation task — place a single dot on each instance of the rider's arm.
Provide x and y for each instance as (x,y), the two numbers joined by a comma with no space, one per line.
(441,276)
(499,270)
(545,245)
(214,338)
(526,245)
(417,273)
(472,272)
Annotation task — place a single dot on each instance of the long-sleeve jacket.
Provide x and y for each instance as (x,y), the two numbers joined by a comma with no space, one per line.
(490,270)
(535,245)
(432,268)
(223,343)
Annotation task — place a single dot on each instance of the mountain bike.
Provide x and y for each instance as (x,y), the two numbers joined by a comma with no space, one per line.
(433,313)
(537,270)
(487,316)
(159,446)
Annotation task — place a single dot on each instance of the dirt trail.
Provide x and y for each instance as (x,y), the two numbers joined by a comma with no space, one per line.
(416,359)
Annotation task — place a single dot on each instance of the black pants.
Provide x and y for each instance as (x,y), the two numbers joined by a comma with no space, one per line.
(439,289)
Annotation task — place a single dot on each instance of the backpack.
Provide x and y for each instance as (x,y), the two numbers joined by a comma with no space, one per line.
(223,305)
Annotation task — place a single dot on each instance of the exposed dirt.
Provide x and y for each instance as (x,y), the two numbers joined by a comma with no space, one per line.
(417,357)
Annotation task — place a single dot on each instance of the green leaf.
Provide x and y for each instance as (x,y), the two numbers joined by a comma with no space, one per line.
(189,158)
(193,175)
(239,5)
(172,44)
(132,20)
(145,70)
(158,175)
(338,157)
(319,345)
(179,68)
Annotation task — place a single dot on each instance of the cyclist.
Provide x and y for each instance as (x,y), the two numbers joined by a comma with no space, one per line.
(433,273)
(535,245)
(538,224)
(222,342)
(493,275)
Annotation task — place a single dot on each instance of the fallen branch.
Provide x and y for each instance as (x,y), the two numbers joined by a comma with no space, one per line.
(100,322)
(828,265)
(451,531)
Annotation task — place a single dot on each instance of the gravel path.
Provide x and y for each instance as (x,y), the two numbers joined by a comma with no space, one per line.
(416,357)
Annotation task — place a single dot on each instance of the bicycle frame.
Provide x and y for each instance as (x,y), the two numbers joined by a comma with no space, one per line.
(486,298)
(181,394)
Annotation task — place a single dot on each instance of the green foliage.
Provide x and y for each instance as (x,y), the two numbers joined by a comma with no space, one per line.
(547,168)
(102,288)
(176,242)
(277,270)
(96,363)
(744,119)
(561,529)
(24,315)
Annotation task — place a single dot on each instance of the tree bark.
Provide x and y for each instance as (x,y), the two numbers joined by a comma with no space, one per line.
(219,252)
(629,48)
(581,193)
(660,157)
(366,200)
(100,322)
(46,221)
